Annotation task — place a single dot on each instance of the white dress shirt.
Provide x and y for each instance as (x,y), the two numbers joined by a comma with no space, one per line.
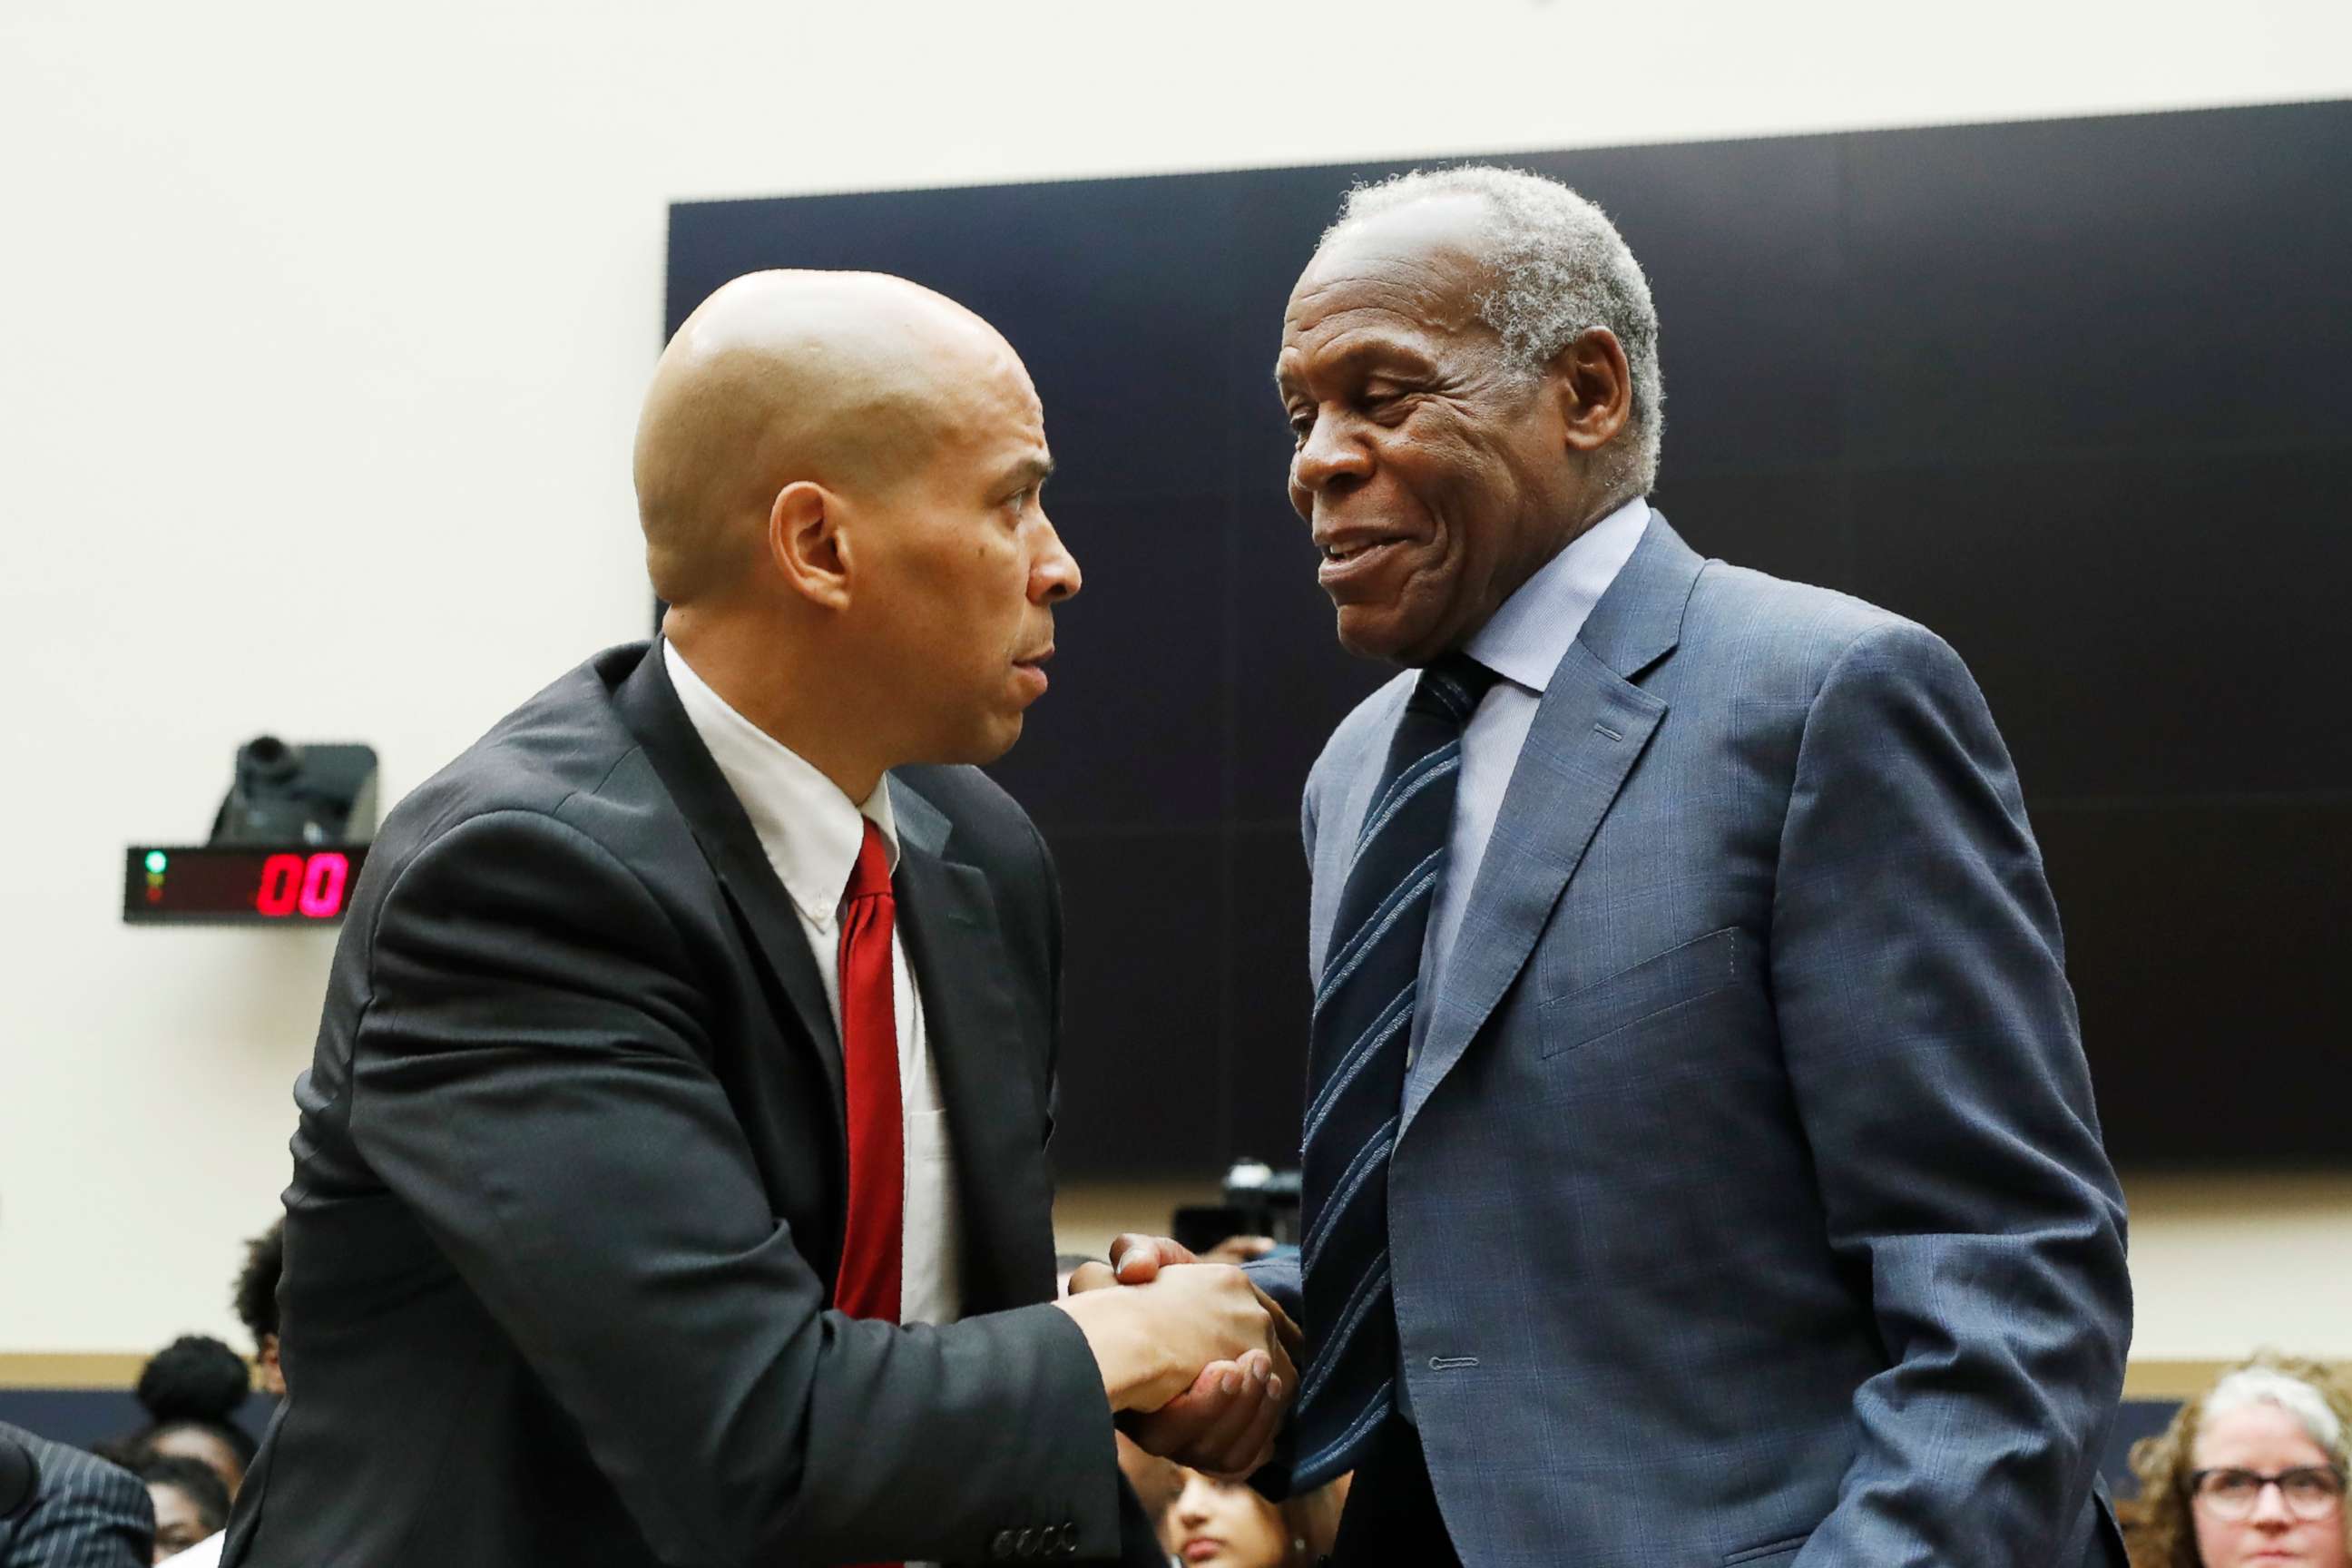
(812,833)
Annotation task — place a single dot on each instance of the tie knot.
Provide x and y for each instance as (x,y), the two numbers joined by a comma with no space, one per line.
(870,877)
(1455,686)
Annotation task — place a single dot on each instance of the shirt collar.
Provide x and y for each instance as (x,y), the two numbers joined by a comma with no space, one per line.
(811,831)
(1524,640)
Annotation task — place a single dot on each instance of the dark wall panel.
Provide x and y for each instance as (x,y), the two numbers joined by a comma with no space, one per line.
(1121,741)
(1145,1037)
(2160,623)
(2072,393)
(2147,282)
(2207,942)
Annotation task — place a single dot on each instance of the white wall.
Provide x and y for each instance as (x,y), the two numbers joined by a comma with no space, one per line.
(349,307)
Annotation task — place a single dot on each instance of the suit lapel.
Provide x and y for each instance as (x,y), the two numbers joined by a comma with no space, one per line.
(947,918)
(1591,728)
(649,706)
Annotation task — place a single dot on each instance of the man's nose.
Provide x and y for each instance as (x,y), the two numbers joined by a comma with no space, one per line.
(1327,456)
(1053,575)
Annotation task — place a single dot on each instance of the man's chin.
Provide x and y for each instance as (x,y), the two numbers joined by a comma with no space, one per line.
(990,744)
(1378,635)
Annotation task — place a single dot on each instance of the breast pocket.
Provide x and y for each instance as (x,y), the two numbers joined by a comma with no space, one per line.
(1664,983)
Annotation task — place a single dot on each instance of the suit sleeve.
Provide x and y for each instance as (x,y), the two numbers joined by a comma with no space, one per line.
(1919,975)
(90,1515)
(529,1077)
(1281,1277)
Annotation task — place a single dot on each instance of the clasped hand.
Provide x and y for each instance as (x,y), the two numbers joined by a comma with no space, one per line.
(1228,1347)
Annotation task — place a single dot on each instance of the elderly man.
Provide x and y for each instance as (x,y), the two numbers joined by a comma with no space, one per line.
(671,1185)
(1700,1160)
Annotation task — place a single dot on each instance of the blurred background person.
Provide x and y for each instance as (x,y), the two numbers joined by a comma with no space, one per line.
(190,1503)
(2252,1471)
(191,1390)
(1211,1523)
(1156,1480)
(256,1299)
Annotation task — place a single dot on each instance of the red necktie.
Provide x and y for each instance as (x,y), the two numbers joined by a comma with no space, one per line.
(867,1286)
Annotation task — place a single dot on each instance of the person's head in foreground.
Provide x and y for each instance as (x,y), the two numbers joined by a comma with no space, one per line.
(840,473)
(1470,368)
(2252,1471)
(190,1502)
(191,1389)
(1210,1524)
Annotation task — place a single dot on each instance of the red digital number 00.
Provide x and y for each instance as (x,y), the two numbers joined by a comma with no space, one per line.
(314,885)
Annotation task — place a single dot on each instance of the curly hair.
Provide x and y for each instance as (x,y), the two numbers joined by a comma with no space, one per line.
(194,1382)
(256,1294)
(2166,1536)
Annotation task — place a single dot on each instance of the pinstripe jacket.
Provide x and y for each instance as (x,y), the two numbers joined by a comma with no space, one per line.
(87,1514)
(1750,1206)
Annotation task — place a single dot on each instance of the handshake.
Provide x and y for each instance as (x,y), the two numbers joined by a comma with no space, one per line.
(1196,1359)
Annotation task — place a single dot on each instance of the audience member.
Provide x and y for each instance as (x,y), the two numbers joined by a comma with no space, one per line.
(190,1503)
(1206,1522)
(79,1511)
(191,1390)
(255,1300)
(2251,1471)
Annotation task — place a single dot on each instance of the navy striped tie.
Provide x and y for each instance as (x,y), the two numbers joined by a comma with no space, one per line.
(1356,1069)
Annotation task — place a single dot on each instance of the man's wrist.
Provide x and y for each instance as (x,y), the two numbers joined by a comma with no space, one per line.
(1129,1363)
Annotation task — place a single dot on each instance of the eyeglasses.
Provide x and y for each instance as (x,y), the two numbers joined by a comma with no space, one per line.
(2310,1492)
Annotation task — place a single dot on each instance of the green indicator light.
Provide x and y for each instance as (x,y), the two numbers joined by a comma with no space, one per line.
(157,860)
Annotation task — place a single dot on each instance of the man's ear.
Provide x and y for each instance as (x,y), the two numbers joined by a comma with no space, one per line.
(806,543)
(1595,389)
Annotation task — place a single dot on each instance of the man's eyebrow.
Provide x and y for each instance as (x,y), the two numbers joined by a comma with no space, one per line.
(1030,470)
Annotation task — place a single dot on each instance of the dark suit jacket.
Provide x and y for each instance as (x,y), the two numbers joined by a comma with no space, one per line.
(568,1189)
(1750,1206)
(86,1514)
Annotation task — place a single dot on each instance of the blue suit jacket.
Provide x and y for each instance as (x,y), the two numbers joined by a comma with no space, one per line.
(1750,1207)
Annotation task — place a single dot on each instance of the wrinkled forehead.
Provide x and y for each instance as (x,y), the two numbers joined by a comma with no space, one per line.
(1417,271)
(1435,246)
(1379,310)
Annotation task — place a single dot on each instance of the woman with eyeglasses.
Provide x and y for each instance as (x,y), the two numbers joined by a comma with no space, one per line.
(2252,1472)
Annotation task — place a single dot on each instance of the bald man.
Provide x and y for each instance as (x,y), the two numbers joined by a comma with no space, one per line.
(670,1183)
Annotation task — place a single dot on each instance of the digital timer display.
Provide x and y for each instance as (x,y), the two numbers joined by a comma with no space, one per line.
(304,884)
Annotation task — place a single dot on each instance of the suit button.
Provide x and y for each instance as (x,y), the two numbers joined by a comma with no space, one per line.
(1069,1538)
(1027,1544)
(1002,1546)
